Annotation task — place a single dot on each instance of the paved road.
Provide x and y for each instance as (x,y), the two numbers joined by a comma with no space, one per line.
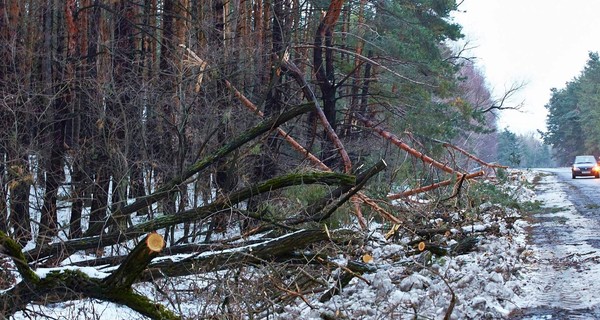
(564,282)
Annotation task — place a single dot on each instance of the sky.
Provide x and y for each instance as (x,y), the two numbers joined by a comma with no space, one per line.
(539,43)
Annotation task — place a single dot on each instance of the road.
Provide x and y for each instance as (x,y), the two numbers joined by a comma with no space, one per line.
(564,280)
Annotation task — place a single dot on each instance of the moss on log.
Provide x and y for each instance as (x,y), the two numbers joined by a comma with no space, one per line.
(140,303)
(66,285)
(12,249)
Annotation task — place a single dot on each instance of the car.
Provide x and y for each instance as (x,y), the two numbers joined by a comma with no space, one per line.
(585,166)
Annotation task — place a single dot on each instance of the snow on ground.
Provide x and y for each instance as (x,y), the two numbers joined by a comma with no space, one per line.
(501,275)
(564,265)
(486,283)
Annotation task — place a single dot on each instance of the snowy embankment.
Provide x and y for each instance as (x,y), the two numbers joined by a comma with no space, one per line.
(490,281)
(485,283)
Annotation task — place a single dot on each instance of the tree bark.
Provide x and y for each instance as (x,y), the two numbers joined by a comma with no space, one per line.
(77,181)
(395,140)
(3,194)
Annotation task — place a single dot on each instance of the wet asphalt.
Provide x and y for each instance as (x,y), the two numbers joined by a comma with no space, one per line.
(564,281)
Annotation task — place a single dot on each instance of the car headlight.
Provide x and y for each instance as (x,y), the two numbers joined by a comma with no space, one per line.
(575,168)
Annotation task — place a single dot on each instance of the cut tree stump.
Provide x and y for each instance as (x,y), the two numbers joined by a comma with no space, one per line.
(136,262)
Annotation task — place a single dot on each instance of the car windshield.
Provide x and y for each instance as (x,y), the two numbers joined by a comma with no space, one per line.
(585,159)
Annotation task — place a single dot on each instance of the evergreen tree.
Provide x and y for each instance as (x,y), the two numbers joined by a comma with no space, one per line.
(574,113)
(509,149)
(589,104)
(535,154)
(408,36)
(563,122)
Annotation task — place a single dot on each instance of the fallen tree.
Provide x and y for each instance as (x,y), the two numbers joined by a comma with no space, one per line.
(62,249)
(68,285)
(71,284)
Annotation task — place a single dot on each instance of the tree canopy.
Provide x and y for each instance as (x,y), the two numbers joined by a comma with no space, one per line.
(573,115)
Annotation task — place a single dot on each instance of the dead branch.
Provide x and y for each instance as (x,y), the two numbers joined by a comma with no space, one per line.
(385,214)
(469,155)
(368,60)
(309,93)
(499,104)
(350,271)
(395,140)
(430,187)
(296,294)
(295,145)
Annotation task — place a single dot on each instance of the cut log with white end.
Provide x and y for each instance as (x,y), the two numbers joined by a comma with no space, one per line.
(136,262)
(155,242)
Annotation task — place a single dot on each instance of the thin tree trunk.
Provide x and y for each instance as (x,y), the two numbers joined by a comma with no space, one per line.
(100,198)
(265,167)
(3,195)
(82,126)
(355,88)
(325,73)
(77,185)
(20,184)
(54,170)
(99,124)
(54,174)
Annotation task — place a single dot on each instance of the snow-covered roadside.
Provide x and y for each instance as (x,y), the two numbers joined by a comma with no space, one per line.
(490,282)
(487,283)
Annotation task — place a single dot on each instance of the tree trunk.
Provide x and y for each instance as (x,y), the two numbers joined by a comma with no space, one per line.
(269,250)
(73,285)
(3,195)
(60,113)
(99,199)
(94,122)
(77,194)
(19,187)
(266,165)
(54,174)
(325,73)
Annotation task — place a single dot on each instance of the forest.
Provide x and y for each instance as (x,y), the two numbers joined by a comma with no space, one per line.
(255,136)
(573,115)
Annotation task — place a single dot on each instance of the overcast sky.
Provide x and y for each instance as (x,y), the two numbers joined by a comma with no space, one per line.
(542,43)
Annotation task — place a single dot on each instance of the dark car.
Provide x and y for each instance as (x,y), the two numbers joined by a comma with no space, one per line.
(585,166)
